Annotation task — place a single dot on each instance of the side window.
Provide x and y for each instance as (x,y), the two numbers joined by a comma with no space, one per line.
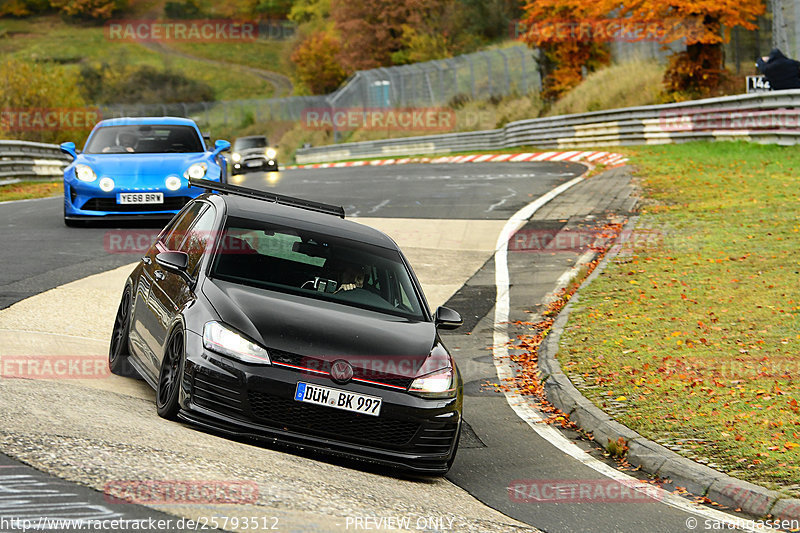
(175,237)
(198,238)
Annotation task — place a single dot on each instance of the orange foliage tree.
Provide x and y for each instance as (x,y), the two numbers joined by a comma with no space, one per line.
(559,29)
(554,27)
(705,25)
(316,63)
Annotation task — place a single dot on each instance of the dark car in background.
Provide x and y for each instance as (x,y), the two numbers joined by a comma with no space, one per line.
(261,315)
(253,153)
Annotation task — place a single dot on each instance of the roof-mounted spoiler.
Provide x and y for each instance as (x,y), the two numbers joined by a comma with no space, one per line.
(238,190)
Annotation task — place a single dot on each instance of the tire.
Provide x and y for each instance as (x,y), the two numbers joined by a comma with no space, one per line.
(119,349)
(169,378)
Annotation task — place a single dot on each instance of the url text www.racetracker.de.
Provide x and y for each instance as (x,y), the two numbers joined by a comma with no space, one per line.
(255,523)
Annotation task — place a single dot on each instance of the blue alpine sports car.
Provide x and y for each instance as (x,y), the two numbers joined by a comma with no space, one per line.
(138,166)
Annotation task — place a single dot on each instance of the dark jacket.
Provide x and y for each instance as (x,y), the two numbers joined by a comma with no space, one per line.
(780,71)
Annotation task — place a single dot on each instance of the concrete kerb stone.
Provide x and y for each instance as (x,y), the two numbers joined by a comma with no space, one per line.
(786,509)
(739,494)
(650,456)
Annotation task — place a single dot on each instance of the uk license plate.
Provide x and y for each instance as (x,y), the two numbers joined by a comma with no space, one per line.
(140,198)
(338,398)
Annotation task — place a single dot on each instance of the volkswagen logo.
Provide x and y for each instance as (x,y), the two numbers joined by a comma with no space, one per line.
(341,371)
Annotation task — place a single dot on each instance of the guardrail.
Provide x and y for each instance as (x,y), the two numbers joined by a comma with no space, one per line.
(764,117)
(30,160)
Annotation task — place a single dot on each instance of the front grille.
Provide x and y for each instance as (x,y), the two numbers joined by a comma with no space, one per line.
(171,203)
(324,365)
(329,422)
(218,395)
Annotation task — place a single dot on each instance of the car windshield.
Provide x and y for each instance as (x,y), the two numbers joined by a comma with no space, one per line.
(250,142)
(144,139)
(316,266)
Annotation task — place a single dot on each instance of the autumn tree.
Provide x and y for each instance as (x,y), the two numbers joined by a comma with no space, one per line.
(374,29)
(33,86)
(276,9)
(705,26)
(89,9)
(559,29)
(317,66)
(23,8)
(555,28)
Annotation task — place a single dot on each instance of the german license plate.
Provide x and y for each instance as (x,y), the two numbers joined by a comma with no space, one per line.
(254,163)
(337,398)
(140,198)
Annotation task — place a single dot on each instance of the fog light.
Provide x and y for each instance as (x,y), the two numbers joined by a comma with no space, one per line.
(106,184)
(173,183)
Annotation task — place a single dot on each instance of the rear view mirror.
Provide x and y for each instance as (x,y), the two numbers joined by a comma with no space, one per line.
(177,262)
(310,249)
(221,146)
(69,148)
(446,318)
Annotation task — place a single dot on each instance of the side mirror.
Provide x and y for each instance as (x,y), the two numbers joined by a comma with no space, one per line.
(69,148)
(446,318)
(176,262)
(221,146)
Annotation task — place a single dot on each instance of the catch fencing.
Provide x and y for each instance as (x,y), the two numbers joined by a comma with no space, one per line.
(492,73)
(764,117)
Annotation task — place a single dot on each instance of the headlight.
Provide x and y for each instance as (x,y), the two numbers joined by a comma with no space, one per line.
(106,184)
(173,183)
(236,157)
(196,171)
(271,153)
(85,173)
(436,377)
(220,339)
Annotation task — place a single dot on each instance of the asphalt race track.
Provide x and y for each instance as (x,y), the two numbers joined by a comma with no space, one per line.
(446,218)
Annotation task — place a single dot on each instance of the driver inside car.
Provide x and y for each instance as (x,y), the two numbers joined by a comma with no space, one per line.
(351,278)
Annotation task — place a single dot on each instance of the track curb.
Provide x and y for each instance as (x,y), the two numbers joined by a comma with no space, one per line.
(650,456)
(610,159)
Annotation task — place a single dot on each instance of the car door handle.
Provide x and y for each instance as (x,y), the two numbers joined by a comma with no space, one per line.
(159,275)
(146,260)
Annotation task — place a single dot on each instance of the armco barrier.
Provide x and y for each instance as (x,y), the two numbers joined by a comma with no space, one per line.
(30,160)
(765,117)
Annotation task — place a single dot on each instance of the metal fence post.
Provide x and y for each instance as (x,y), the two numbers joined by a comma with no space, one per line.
(472,76)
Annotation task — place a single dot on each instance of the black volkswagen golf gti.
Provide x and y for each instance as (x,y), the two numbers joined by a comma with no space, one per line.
(261,315)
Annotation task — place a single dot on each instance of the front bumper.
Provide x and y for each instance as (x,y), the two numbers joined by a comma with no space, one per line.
(411,433)
(252,163)
(87,200)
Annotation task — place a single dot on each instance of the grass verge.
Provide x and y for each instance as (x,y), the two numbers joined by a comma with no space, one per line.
(692,339)
(25,190)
